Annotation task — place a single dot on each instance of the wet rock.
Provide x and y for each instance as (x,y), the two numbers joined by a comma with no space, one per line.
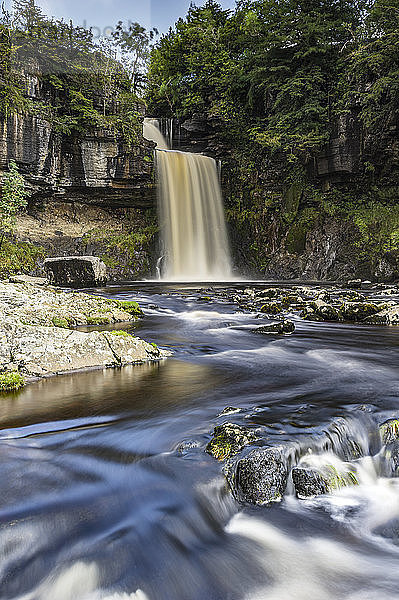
(359,311)
(228,439)
(391,458)
(279,328)
(354,284)
(388,316)
(389,431)
(260,477)
(271,308)
(76,271)
(316,475)
(319,310)
(229,410)
(366,285)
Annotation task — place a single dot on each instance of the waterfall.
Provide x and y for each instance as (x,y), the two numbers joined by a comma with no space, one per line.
(193,229)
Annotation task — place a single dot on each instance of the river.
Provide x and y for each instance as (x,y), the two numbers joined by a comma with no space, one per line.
(106,490)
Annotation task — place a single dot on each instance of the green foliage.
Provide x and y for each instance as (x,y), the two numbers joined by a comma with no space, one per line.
(121,333)
(87,85)
(12,199)
(130,307)
(60,322)
(21,257)
(11,381)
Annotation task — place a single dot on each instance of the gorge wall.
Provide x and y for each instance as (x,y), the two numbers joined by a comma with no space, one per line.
(90,193)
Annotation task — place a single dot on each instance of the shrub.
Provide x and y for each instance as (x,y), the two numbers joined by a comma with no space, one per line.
(11,381)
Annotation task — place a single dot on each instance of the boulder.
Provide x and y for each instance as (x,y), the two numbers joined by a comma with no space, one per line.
(388,316)
(260,477)
(359,311)
(354,284)
(278,328)
(228,439)
(319,310)
(76,271)
(389,431)
(271,308)
(316,475)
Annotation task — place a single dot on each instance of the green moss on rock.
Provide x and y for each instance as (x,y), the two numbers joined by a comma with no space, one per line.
(11,381)
(130,307)
(228,439)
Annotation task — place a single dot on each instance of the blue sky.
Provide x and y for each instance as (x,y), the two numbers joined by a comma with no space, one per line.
(101,14)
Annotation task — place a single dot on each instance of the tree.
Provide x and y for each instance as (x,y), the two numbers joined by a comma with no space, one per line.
(134,43)
(12,199)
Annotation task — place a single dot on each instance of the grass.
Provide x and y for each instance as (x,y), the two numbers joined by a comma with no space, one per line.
(11,381)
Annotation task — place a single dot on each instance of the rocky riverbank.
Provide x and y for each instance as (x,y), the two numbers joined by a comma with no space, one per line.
(38,335)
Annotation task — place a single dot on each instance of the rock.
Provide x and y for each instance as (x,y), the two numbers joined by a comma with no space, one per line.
(43,351)
(76,271)
(316,475)
(354,284)
(322,310)
(228,439)
(389,431)
(366,285)
(36,337)
(359,311)
(279,328)
(388,316)
(272,308)
(229,410)
(391,457)
(28,279)
(260,477)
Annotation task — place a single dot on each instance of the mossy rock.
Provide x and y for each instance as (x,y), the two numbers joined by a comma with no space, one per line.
(358,311)
(60,322)
(228,439)
(121,333)
(131,307)
(98,320)
(11,381)
(389,431)
(312,481)
(279,328)
(272,308)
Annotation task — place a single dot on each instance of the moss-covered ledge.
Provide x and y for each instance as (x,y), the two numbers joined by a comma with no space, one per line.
(38,335)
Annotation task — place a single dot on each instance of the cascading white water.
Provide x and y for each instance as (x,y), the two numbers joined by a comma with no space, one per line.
(193,228)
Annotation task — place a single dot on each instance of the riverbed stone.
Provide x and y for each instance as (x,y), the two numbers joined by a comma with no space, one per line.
(261,476)
(228,439)
(313,478)
(76,271)
(359,311)
(279,328)
(387,316)
(389,431)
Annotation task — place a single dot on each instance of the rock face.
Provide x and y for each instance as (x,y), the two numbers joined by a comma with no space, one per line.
(76,271)
(96,168)
(260,477)
(36,338)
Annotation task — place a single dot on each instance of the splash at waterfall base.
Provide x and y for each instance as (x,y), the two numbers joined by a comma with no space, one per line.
(193,231)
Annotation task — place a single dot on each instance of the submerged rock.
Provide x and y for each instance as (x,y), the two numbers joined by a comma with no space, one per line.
(76,271)
(279,328)
(316,475)
(228,439)
(260,477)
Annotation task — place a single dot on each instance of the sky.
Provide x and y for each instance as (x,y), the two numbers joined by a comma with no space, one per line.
(104,14)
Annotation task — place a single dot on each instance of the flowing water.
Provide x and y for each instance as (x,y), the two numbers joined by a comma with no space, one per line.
(193,230)
(106,490)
